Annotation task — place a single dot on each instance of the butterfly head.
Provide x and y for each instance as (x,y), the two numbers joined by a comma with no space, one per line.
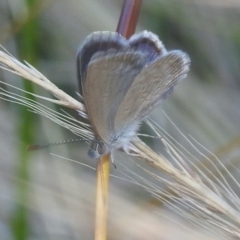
(97,149)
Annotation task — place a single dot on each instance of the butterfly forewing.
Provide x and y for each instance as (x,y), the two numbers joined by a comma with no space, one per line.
(152,85)
(109,76)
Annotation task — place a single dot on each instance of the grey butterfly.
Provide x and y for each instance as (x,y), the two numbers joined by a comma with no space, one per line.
(122,81)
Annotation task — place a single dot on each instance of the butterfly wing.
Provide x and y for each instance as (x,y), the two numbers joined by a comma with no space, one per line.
(96,42)
(109,76)
(150,87)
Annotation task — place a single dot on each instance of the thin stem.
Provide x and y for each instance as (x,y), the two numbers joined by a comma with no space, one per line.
(102,198)
(129,17)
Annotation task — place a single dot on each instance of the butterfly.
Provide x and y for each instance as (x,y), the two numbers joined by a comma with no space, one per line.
(121,81)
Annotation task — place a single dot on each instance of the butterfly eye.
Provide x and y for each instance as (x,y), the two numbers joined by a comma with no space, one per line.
(101,148)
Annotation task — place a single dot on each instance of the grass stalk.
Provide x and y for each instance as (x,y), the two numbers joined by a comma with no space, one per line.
(102,198)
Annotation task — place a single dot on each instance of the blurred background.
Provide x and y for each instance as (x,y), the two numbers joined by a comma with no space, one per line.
(46,197)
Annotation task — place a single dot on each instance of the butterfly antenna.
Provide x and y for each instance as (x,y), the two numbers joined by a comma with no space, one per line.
(33,147)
